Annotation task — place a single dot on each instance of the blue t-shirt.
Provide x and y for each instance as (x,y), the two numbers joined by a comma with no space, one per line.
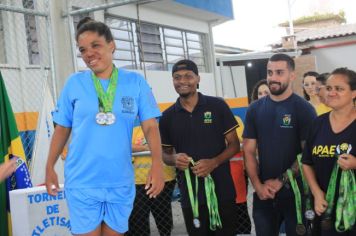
(100,156)
(279,128)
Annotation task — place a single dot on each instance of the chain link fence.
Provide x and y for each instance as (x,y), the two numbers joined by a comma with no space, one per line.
(161,216)
(26,61)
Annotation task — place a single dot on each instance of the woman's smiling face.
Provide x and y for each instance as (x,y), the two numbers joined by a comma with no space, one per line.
(96,52)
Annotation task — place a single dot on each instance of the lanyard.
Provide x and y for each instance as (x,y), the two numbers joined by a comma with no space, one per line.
(106,99)
(212,201)
(346,203)
(298,203)
(305,184)
(330,193)
(193,199)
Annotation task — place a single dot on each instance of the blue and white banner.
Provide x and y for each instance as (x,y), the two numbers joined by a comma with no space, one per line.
(34,212)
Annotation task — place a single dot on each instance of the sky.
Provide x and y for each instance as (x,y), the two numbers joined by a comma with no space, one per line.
(255,23)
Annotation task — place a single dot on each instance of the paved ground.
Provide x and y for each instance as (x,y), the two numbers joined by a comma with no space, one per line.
(178,221)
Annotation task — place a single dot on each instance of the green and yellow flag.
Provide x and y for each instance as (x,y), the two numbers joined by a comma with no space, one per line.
(10,145)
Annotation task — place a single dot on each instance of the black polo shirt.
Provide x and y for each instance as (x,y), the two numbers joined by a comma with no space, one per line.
(279,128)
(201,135)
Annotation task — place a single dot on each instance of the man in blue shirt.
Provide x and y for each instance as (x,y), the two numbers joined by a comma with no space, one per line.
(276,124)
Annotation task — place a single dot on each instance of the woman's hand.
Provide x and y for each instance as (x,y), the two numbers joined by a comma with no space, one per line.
(51,182)
(155,180)
(320,204)
(347,162)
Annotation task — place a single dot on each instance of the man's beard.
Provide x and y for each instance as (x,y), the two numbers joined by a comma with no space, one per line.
(282,88)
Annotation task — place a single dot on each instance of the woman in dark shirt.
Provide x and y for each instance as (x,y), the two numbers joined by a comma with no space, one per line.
(332,139)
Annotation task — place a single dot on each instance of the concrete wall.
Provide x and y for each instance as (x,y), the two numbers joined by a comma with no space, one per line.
(330,58)
(61,42)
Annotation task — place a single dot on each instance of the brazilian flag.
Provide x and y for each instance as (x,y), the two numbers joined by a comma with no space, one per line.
(10,147)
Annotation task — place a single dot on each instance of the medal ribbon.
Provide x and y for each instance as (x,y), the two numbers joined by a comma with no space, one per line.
(307,196)
(297,197)
(212,201)
(193,199)
(330,193)
(305,184)
(346,203)
(106,99)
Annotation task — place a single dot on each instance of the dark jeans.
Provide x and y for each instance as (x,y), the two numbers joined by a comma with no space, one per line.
(269,214)
(228,216)
(161,208)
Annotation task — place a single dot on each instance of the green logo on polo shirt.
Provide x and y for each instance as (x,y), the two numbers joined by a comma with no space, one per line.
(207,117)
(286,121)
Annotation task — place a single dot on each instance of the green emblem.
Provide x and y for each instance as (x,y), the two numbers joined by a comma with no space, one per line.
(207,117)
(286,119)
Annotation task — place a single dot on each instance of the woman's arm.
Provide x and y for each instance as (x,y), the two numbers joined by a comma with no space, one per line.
(59,140)
(320,204)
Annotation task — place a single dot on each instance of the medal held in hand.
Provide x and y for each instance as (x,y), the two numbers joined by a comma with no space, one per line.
(106,99)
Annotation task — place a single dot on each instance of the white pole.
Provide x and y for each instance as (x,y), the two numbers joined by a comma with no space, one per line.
(291,27)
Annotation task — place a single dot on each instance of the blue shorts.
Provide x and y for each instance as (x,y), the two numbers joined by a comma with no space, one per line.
(89,207)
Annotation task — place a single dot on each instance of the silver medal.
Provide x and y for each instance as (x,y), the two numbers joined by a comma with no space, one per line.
(101,118)
(196,223)
(110,118)
(309,214)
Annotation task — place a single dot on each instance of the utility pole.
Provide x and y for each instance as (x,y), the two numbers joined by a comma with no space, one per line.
(291,28)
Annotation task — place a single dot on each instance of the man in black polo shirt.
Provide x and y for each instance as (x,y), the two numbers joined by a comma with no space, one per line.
(201,128)
(277,124)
